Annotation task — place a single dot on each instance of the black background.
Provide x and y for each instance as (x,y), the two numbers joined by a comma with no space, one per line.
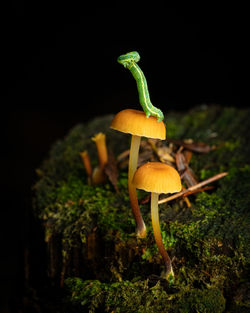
(58,68)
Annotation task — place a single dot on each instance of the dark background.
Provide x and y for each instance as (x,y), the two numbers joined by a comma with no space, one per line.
(59,68)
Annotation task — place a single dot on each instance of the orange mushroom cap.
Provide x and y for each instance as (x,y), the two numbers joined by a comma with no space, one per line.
(157,177)
(136,123)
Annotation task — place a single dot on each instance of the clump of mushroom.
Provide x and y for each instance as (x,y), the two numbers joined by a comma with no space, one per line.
(137,124)
(157,178)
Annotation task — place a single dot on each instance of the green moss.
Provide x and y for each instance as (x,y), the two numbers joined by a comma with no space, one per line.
(140,297)
(206,300)
(90,230)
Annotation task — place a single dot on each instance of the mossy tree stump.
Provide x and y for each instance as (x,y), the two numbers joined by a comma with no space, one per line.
(93,252)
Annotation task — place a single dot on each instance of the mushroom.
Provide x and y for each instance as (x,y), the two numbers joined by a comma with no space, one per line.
(87,165)
(157,177)
(98,176)
(137,124)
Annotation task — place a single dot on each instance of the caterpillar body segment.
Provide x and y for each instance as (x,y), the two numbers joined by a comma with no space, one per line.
(129,61)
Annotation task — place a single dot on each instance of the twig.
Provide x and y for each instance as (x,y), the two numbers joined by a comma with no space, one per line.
(185,198)
(192,188)
(147,198)
(198,190)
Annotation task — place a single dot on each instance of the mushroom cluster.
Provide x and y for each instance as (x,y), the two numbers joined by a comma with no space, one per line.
(155,177)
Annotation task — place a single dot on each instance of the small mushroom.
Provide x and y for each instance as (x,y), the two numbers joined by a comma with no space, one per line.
(137,124)
(157,177)
(98,176)
(87,165)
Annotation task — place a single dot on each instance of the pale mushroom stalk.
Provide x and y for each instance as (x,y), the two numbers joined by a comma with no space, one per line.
(157,234)
(133,160)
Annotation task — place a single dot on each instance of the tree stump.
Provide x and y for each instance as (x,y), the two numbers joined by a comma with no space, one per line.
(94,257)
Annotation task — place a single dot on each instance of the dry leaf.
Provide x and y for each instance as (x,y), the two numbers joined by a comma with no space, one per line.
(111,171)
(185,171)
(200,147)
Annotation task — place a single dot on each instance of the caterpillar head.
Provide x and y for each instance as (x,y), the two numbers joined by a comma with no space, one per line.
(129,58)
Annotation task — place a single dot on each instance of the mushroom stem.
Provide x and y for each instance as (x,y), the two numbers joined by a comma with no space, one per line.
(100,140)
(87,165)
(99,175)
(157,234)
(133,159)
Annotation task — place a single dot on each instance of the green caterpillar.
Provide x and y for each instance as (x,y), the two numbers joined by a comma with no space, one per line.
(129,61)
